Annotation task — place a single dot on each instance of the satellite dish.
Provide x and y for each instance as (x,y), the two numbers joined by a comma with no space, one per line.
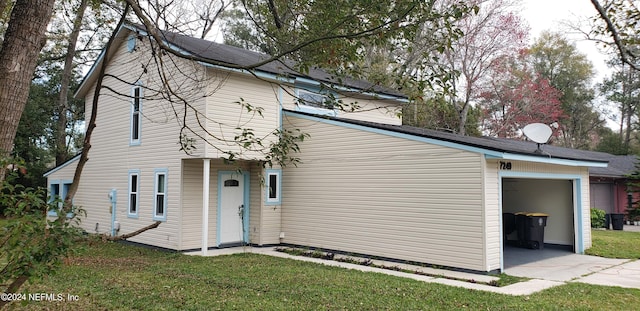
(538,132)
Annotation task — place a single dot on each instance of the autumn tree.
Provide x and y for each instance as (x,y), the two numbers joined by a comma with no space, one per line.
(517,96)
(489,32)
(570,72)
(495,32)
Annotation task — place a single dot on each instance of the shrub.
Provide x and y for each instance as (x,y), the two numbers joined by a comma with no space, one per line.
(31,244)
(597,218)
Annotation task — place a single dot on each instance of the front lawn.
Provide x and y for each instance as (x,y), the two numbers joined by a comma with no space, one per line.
(112,276)
(615,244)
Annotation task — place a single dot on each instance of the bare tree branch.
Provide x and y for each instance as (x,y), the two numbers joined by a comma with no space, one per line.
(274,12)
(132,234)
(623,51)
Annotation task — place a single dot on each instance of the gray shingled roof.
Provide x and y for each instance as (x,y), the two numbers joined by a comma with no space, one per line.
(241,57)
(619,166)
(487,143)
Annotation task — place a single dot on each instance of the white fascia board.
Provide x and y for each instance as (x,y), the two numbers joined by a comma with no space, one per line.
(258,73)
(551,160)
(353,90)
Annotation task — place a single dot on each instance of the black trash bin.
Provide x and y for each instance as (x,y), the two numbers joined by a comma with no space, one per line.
(508,226)
(607,221)
(521,222)
(534,230)
(617,221)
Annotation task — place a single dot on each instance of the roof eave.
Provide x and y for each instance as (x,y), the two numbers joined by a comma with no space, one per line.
(124,29)
(547,160)
(63,165)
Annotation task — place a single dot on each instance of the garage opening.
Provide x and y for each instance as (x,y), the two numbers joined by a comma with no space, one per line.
(554,197)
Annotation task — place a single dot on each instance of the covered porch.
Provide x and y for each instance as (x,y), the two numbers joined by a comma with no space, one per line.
(222,204)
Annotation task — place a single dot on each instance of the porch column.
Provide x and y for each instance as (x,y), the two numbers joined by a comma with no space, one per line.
(205,205)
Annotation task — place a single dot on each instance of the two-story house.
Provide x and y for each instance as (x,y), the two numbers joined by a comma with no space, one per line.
(366,184)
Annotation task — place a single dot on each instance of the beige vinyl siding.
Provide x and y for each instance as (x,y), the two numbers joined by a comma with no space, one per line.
(255,206)
(191,233)
(364,192)
(264,223)
(271,216)
(64,173)
(493,217)
(111,156)
(225,114)
(368,108)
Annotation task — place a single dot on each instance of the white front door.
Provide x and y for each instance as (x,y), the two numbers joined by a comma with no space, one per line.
(231,209)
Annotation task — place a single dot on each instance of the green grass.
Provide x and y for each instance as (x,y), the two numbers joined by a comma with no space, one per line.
(504,279)
(111,276)
(615,244)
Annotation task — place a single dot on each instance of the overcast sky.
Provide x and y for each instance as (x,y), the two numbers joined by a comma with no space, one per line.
(551,14)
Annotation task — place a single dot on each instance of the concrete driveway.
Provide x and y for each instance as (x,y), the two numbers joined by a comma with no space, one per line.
(625,275)
(564,266)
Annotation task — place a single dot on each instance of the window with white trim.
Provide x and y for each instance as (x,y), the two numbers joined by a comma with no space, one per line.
(273,187)
(315,103)
(136,116)
(160,195)
(313,99)
(134,186)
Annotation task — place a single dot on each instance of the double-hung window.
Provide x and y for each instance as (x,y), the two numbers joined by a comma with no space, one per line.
(134,193)
(136,115)
(160,195)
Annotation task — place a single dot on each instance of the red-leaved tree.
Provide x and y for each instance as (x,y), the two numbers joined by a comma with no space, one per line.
(517,96)
(497,30)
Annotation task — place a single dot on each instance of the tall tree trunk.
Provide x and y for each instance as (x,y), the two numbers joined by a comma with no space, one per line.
(23,41)
(61,149)
(84,157)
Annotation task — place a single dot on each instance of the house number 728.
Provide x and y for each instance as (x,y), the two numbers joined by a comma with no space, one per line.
(505,165)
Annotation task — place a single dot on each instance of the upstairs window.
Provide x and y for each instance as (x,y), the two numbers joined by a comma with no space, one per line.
(316,100)
(136,117)
(316,103)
